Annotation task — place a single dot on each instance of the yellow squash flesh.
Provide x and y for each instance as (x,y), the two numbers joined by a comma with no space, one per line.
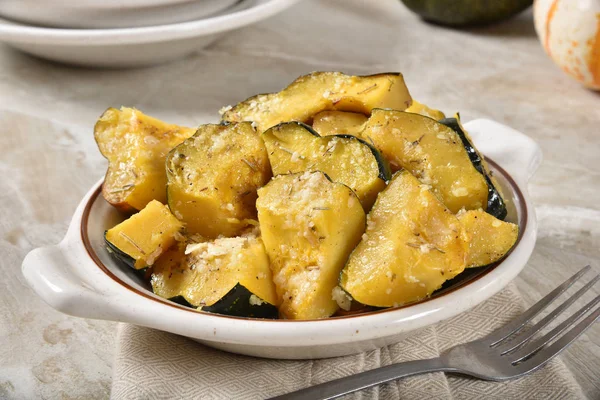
(412,245)
(322,91)
(293,147)
(420,108)
(484,163)
(211,269)
(170,274)
(309,226)
(490,238)
(213,177)
(432,152)
(338,123)
(146,235)
(136,146)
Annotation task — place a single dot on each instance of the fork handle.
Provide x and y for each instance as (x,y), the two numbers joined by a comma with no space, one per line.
(367,379)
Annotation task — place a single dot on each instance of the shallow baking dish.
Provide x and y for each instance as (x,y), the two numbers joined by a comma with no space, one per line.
(79,277)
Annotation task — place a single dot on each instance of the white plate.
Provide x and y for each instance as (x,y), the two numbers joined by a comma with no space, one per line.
(109,14)
(80,278)
(134,47)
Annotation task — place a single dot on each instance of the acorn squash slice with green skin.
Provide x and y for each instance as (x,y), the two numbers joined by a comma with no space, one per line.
(170,275)
(322,91)
(309,226)
(432,152)
(241,302)
(349,123)
(213,177)
(495,202)
(490,238)
(142,238)
(412,245)
(136,146)
(295,147)
(229,276)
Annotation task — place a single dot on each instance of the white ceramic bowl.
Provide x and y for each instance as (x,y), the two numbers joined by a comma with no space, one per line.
(80,278)
(134,47)
(87,14)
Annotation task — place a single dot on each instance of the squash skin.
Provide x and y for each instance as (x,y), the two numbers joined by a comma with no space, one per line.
(213,177)
(490,238)
(432,152)
(237,302)
(219,276)
(118,254)
(309,226)
(143,273)
(495,203)
(467,12)
(344,158)
(338,123)
(135,146)
(322,91)
(142,238)
(412,245)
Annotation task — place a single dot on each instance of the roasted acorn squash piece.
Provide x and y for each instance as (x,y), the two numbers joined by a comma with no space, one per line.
(412,245)
(338,123)
(309,226)
(432,152)
(349,123)
(143,237)
(136,146)
(213,177)
(420,108)
(170,274)
(226,276)
(495,202)
(322,91)
(241,302)
(490,238)
(295,147)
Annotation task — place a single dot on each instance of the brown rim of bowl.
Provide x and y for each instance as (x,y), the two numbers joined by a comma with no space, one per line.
(476,276)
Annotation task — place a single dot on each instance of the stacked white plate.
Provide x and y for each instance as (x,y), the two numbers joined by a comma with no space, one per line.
(124,33)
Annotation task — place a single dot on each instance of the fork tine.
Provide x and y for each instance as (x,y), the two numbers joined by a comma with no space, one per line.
(517,324)
(534,347)
(527,336)
(542,357)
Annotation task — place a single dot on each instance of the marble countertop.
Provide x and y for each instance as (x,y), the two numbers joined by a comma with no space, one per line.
(49,158)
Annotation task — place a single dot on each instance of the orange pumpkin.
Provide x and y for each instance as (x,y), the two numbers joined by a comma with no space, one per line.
(570,33)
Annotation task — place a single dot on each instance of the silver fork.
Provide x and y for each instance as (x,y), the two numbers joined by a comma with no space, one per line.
(507,353)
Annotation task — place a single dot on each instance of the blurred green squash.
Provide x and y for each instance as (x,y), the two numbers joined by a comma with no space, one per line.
(466,12)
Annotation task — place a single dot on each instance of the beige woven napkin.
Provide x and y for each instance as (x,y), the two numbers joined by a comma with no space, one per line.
(156,365)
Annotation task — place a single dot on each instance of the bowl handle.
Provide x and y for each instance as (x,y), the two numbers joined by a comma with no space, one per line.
(53,277)
(517,153)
